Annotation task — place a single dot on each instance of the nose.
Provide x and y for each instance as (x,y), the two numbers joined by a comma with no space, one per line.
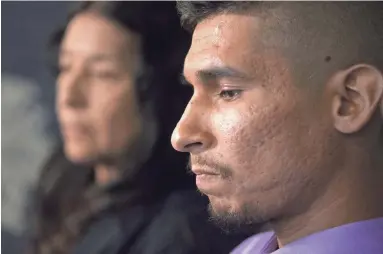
(71,90)
(192,133)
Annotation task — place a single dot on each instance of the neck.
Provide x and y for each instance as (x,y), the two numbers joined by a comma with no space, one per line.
(105,174)
(352,196)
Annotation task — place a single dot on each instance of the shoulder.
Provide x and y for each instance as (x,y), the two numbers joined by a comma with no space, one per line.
(183,226)
(179,210)
(179,224)
(188,201)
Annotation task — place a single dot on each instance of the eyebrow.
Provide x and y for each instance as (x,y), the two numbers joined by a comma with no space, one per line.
(93,58)
(215,73)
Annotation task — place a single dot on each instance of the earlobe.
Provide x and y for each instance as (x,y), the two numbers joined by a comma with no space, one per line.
(358,94)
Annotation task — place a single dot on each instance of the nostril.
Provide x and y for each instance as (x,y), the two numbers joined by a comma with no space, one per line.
(193,145)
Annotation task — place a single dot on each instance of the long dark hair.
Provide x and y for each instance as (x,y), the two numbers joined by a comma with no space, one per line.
(66,200)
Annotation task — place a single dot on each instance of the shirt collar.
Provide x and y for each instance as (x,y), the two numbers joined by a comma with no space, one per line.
(358,237)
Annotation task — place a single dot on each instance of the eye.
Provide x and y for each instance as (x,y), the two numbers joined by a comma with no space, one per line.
(229,95)
(63,68)
(104,74)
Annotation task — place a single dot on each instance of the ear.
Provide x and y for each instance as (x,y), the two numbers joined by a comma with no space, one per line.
(357,91)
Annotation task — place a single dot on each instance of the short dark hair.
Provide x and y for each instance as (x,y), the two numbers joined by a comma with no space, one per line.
(343,33)
(193,12)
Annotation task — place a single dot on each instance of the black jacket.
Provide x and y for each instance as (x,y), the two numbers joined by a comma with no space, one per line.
(177,225)
(164,218)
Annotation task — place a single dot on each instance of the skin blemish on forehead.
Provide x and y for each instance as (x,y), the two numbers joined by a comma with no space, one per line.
(215,35)
(218,34)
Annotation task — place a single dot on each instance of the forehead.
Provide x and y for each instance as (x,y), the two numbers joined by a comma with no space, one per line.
(90,33)
(229,39)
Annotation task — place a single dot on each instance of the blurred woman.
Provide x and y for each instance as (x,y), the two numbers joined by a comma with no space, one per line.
(116,185)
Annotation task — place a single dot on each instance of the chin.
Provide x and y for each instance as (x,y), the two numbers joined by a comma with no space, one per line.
(231,216)
(234,221)
(222,208)
(219,205)
(77,155)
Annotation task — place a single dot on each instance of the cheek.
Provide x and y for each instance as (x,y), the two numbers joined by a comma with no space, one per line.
(116,119)
(243,132)
(227,124)
(60,102)
(260,142)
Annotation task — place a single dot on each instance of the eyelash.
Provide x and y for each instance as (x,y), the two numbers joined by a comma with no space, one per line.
(62,69)
(230,94)
(104,74)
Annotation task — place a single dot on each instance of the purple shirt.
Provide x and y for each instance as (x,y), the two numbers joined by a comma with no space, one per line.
(363,237)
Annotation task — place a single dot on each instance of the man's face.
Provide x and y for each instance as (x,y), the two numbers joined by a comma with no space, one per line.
(97,104)
(256,140)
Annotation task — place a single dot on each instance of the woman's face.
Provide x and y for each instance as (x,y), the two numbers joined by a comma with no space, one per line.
(97,105)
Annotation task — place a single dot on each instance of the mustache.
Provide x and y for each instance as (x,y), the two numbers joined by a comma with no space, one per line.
(203,162)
